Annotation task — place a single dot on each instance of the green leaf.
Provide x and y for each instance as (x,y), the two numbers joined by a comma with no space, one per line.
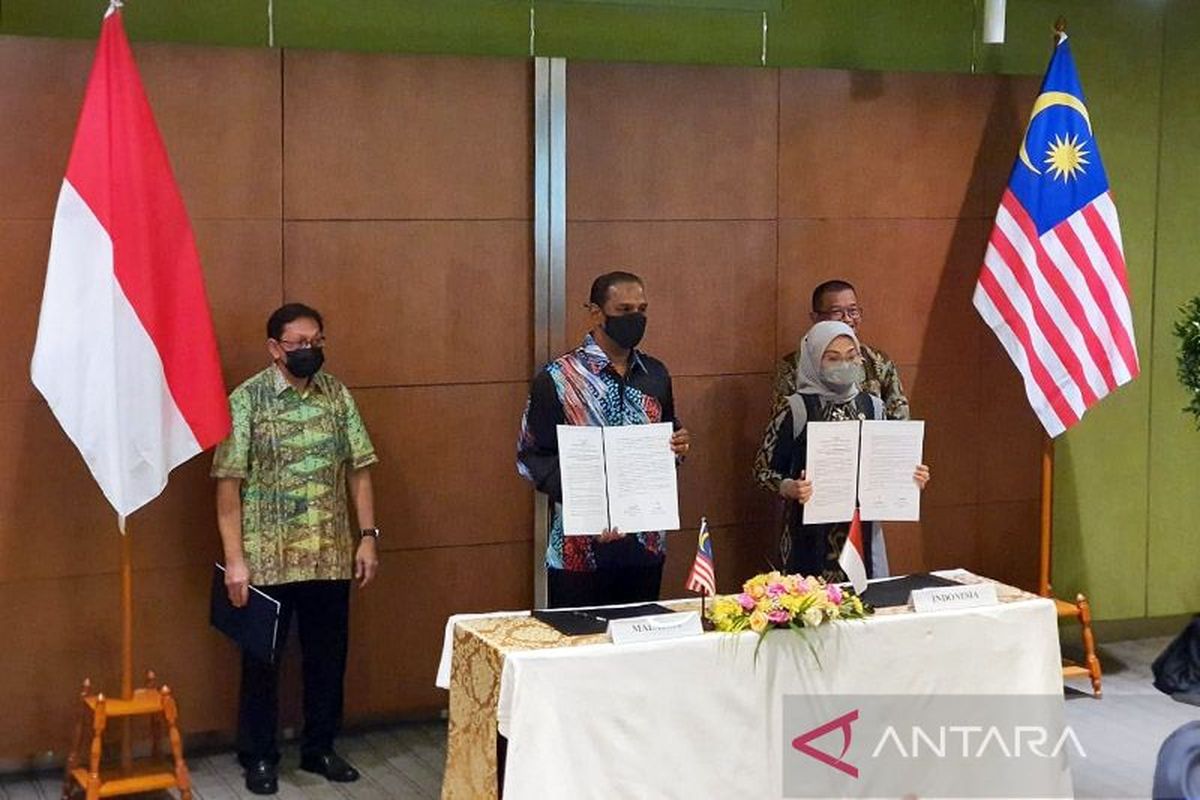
(1187,330)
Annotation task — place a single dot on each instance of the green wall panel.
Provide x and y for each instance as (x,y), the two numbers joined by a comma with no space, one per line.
(1174,521)
(229,22)
(927,35)
(643,33)
(471,27)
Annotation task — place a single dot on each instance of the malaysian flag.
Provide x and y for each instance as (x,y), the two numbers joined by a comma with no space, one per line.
(1053,285)
(703,577)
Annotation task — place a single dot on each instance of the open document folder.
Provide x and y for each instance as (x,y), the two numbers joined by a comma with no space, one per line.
(619,477)
(870,463)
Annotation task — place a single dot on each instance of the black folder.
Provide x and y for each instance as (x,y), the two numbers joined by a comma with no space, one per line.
(587,621)
(895,591)
(254,626)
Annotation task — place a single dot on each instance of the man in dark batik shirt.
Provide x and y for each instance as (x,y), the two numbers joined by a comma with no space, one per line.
(605,381)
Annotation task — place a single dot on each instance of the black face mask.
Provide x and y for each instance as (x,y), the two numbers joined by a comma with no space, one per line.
(304,363)
(626,330)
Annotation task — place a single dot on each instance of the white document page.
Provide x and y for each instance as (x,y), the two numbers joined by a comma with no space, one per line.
(581,465)
(831,464)
(642,490)
(891,452)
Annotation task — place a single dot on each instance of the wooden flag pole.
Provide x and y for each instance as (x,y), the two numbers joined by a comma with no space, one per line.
(1047,516)
(126,642)
(126,615)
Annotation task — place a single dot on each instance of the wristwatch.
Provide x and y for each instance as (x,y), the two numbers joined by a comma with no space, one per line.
(372,532)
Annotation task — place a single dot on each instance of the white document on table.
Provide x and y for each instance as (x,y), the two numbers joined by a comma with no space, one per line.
(581,465)
(642,490)
(619,477)
(831,463)
(891,453)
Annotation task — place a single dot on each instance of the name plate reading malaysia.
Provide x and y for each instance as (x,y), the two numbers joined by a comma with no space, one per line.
(944,598)
(656,628)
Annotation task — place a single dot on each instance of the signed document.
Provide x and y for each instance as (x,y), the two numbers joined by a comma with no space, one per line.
(581,464)
(891,452)
(619,477)
(832,466)
(642,492)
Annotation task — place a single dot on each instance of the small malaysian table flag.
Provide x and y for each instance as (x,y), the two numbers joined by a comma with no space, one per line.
(703,577)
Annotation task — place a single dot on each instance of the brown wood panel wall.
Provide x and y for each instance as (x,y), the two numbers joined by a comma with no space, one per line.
(733,192)
(393,194)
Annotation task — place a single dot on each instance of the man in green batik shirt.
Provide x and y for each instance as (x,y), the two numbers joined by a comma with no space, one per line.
(297,443)
(833,300)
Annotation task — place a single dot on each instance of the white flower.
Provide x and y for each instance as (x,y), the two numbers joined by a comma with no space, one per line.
(813,617)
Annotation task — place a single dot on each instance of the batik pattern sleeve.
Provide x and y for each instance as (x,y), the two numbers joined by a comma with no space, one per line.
(232,457)
(884,382)
(361,451)
(537,447)
(785,382)
(774,454)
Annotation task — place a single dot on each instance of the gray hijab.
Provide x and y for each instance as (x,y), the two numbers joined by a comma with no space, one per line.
(808,362)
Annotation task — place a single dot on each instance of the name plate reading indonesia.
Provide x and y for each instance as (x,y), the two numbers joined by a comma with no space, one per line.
(944,598)
(656,628)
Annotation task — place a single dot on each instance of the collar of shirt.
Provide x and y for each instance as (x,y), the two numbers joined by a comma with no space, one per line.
(593,355)
(282,384)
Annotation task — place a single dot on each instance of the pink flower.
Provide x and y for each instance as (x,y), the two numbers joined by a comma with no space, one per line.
(746,601)
(776,590)
(778,616)
(834,592)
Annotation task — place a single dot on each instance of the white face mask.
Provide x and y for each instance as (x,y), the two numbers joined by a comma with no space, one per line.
(842,375)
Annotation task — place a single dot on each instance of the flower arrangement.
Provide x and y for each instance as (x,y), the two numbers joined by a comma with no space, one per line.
(774,600)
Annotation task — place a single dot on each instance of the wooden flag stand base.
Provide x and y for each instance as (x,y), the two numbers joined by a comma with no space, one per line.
(157,704)
(131,776)
(1080,609)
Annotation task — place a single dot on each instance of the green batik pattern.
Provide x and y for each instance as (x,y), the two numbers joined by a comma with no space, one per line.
(292,452)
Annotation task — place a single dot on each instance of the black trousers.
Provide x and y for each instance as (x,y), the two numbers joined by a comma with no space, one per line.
(322,611)
(605,586)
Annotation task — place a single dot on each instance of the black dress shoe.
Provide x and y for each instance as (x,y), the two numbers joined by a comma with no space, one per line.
(331,765)
(261,777)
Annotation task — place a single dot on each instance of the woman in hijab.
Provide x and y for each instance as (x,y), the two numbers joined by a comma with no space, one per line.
(829,371)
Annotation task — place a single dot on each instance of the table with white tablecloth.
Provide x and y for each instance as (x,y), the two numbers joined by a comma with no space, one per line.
(701,716)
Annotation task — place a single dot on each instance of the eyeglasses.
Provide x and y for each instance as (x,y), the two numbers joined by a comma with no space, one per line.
(303,344)
(840,314)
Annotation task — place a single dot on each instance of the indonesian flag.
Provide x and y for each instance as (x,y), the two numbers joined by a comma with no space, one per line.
(125,353)
(851,559)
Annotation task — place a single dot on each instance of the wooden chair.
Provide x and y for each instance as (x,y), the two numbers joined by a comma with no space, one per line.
(1082,611)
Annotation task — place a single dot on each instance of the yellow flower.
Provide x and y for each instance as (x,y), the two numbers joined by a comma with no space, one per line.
(758,621)
(725,610)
